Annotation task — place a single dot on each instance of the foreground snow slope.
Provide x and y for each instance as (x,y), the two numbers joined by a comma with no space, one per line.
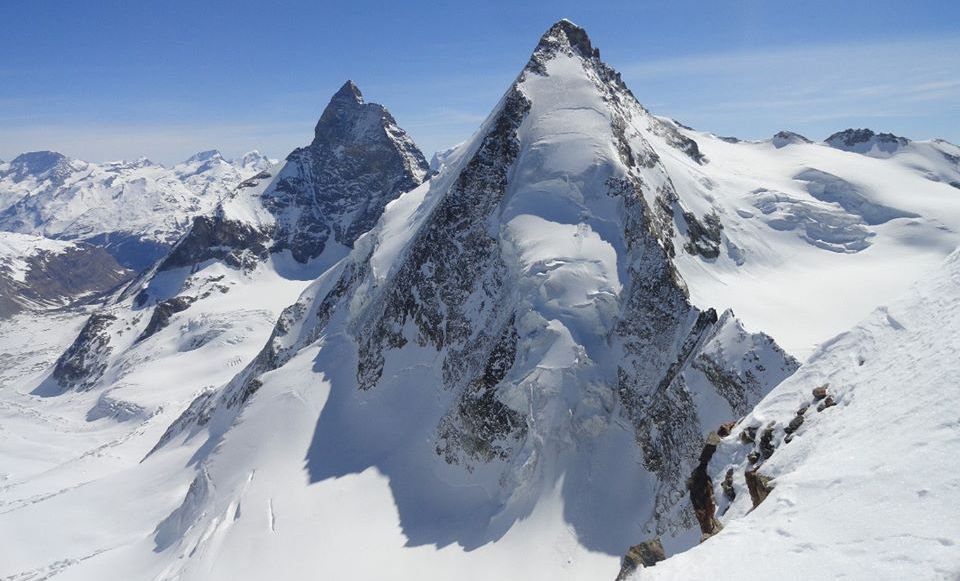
(866,489)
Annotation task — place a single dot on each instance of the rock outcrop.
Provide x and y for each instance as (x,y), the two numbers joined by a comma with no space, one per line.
(646,554)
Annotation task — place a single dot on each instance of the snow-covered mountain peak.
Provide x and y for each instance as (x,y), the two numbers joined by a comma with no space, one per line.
(349,121)
(349,92)
(41,165)
(122,164)
(866,141)
(134,209)
(203,157)
(564,35)
(514,322)
(253,162)
(538,335)
(785,138)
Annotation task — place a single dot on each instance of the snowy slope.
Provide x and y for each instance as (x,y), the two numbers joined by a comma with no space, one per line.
(133,209)
(865,489)
(813,238)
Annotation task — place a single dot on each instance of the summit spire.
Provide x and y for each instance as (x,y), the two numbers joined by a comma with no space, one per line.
(564,34)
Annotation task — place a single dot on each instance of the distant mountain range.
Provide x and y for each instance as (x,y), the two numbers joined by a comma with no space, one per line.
(135,210)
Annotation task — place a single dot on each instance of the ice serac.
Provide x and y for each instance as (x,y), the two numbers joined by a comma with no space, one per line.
(517,322)
(276,230)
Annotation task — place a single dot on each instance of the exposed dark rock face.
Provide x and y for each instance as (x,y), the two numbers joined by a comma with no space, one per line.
(480,421)
(758,485)
(216,238)
(700,486)
(562,37)
(767,447)
(646,554)
(336,187)
(440,273)
(703,238)
(163,312)
(84,362)
(794,424)
(785,138)
(849,138)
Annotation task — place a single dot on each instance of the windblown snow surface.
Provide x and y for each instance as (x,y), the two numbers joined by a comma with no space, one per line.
(866,489)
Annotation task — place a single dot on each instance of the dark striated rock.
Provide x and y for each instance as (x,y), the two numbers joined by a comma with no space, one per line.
(703,238)
(332,190)
(646,554)
(84,362)
(445,263)
(849,138)
(725,429)
(163,312)
(480,422)
(337,187)
(749,434)
(216,238)
(820,392)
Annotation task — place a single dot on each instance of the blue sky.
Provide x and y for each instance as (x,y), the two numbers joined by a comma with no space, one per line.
(119,79)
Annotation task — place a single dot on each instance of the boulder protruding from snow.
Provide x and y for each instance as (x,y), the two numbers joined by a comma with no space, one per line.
(646,554)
